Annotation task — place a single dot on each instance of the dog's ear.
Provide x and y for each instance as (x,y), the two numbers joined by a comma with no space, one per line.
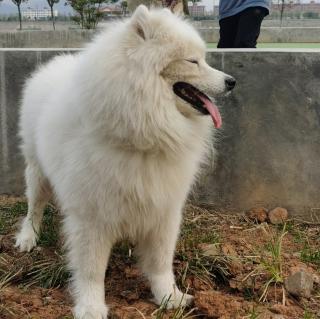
(139,20)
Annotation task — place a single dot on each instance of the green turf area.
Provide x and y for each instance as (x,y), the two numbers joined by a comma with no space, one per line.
(280,45)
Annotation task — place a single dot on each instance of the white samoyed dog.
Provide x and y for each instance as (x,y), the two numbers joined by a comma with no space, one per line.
(116,134)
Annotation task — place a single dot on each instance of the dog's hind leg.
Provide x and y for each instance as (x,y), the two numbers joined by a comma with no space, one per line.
(156,251)
(38,194)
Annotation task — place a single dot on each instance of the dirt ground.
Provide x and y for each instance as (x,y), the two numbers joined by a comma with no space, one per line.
(235,266)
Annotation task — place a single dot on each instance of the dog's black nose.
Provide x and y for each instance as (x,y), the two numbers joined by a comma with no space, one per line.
(230,83)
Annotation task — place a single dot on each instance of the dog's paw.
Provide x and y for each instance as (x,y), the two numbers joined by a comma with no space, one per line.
(91,312)
(175,300)
(181,300)
(26,239)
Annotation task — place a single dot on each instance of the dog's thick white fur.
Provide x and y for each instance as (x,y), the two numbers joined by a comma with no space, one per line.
(103,131)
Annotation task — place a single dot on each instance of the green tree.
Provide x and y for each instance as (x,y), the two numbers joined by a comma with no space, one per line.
(282,5)
(185,7)
(311,15)
(18,4)
(51,3)
(88,12)
(124,7)
(172,3)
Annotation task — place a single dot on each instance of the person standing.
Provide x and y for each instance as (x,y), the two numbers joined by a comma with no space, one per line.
(240,22)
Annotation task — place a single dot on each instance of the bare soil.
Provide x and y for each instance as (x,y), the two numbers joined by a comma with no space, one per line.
(234,266)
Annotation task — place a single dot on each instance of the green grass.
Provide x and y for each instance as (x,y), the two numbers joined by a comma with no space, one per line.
(270,262)
(192,236)
(308,315)
(273,265)
(49,231)
(189,252)
(279,45)
(253,314)
(179,313)
(49,234)
(310,255)
(310,251)
(48,273)
(40,268)
(9,215)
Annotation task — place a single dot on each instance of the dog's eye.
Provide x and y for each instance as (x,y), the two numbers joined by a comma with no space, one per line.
(193,61)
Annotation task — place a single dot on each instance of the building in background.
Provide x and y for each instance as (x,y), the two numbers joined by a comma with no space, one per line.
(112,10)
(294,9)
(297,9)
(38,14)
(197,10)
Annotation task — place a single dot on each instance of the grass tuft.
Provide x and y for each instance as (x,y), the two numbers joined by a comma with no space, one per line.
(198,230)
(179,313)
(49,273)
(8,273)
(310,255)
(271,263)
(49,235)
(308,315)
(9,215)
(253,314)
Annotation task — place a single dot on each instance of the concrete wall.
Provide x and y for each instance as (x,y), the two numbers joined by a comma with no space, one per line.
(268,149)
(273,35)
(266,23)
(42,25)
(70,25)
(46,39)
(77,38)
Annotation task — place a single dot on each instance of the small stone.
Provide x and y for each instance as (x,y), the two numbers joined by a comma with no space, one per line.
(229,251)
(300,284)
(235,266)
(210,250)
(130,295)
(316,279)
(270,315)
(259,214)
(131,272)
(278,215)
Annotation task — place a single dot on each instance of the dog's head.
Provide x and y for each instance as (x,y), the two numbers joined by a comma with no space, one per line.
(171,47)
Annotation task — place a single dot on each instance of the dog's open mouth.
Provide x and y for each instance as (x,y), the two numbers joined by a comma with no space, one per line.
(200,101)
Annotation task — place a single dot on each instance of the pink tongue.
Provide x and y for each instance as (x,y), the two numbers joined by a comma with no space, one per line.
(213,110)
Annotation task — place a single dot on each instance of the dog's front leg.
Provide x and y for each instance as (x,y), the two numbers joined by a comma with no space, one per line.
(89,250)
(156,252)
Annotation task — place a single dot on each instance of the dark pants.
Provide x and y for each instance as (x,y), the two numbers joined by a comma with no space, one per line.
(242,30)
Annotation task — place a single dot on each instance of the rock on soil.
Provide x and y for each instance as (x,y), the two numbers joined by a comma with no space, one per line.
(278,215)
(134,311)
(235,266)
(300,284)
(210,250)
(270,315)
(259,214)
